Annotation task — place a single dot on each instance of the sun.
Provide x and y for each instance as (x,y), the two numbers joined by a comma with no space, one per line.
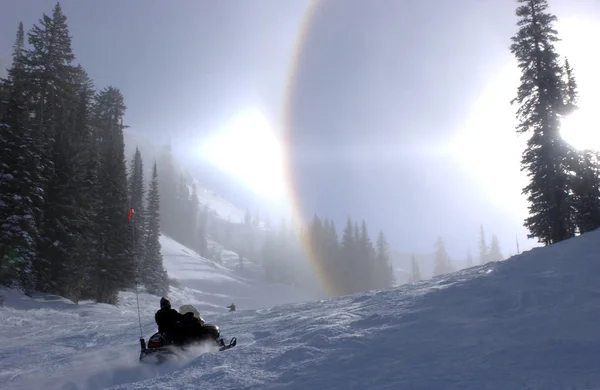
(248,149)
(578,38)
(580,129)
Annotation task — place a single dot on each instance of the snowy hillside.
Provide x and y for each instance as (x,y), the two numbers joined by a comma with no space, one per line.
(151,151)
(530,322)
(210,287)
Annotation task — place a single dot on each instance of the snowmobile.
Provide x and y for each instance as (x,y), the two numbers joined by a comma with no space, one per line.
(161,347)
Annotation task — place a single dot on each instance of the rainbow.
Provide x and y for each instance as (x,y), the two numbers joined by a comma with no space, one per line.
(290,87)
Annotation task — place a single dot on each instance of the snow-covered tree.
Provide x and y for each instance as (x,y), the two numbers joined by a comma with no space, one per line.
(115,268)
(21,178)
(136,202)
(154,276)
(585,164)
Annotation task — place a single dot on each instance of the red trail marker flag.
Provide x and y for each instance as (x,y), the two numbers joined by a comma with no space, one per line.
(130,214)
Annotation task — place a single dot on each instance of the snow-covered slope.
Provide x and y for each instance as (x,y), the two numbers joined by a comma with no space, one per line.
(223,208)
(530,322)
(210,286)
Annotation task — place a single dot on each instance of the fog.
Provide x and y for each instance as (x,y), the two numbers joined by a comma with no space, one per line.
(394,112)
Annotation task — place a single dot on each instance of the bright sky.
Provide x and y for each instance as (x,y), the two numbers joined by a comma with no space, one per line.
(579,35)
(400,110)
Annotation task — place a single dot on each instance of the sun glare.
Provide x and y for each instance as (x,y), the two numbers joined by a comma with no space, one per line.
(581,131)
(487,146)
(248,149)
(578,38)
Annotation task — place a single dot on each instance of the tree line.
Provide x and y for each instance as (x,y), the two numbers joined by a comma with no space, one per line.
(348,264)
(564,187)
(443,264)
(65,190)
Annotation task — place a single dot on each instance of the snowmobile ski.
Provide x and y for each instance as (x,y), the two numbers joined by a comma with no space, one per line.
(232,343)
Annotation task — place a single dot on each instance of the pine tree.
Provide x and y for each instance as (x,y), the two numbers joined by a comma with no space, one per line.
(88,196)
(483,247)
(585,164)
(571,95)
(136,199)
(384,270)
(540,100)
(154,276)
(76,186)
(115,269)
(495,254)
(586,190)
(469,259)
(347,256)
(21,179)
(333,260)
(442,260)
(415,274)
(368,274)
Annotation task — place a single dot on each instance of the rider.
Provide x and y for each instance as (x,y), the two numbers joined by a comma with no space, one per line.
(178,325)
(167,318)
(169,321)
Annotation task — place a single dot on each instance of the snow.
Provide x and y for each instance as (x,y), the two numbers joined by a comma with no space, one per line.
(530,322)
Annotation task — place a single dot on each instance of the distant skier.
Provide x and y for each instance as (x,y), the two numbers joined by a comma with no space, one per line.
(231,307)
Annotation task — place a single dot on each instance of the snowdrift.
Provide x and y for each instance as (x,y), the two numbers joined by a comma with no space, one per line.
(530,322)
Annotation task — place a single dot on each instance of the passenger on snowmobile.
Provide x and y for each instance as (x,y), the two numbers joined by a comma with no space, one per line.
(191,310)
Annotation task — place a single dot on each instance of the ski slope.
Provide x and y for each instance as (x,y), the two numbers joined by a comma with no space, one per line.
(530,322)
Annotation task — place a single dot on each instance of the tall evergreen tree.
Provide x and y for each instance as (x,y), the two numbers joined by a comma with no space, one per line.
(21,178)
(154,276)
(366,269)
(115,269)
(88,195)
(50,70)
(585,164)
(136,199)
(347,256)
(540,106)
(415,274)
(469,259)
(442,260)
(68,216)
(571,94)
(495,254)
(586,191)
(384,271)
(483,247)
